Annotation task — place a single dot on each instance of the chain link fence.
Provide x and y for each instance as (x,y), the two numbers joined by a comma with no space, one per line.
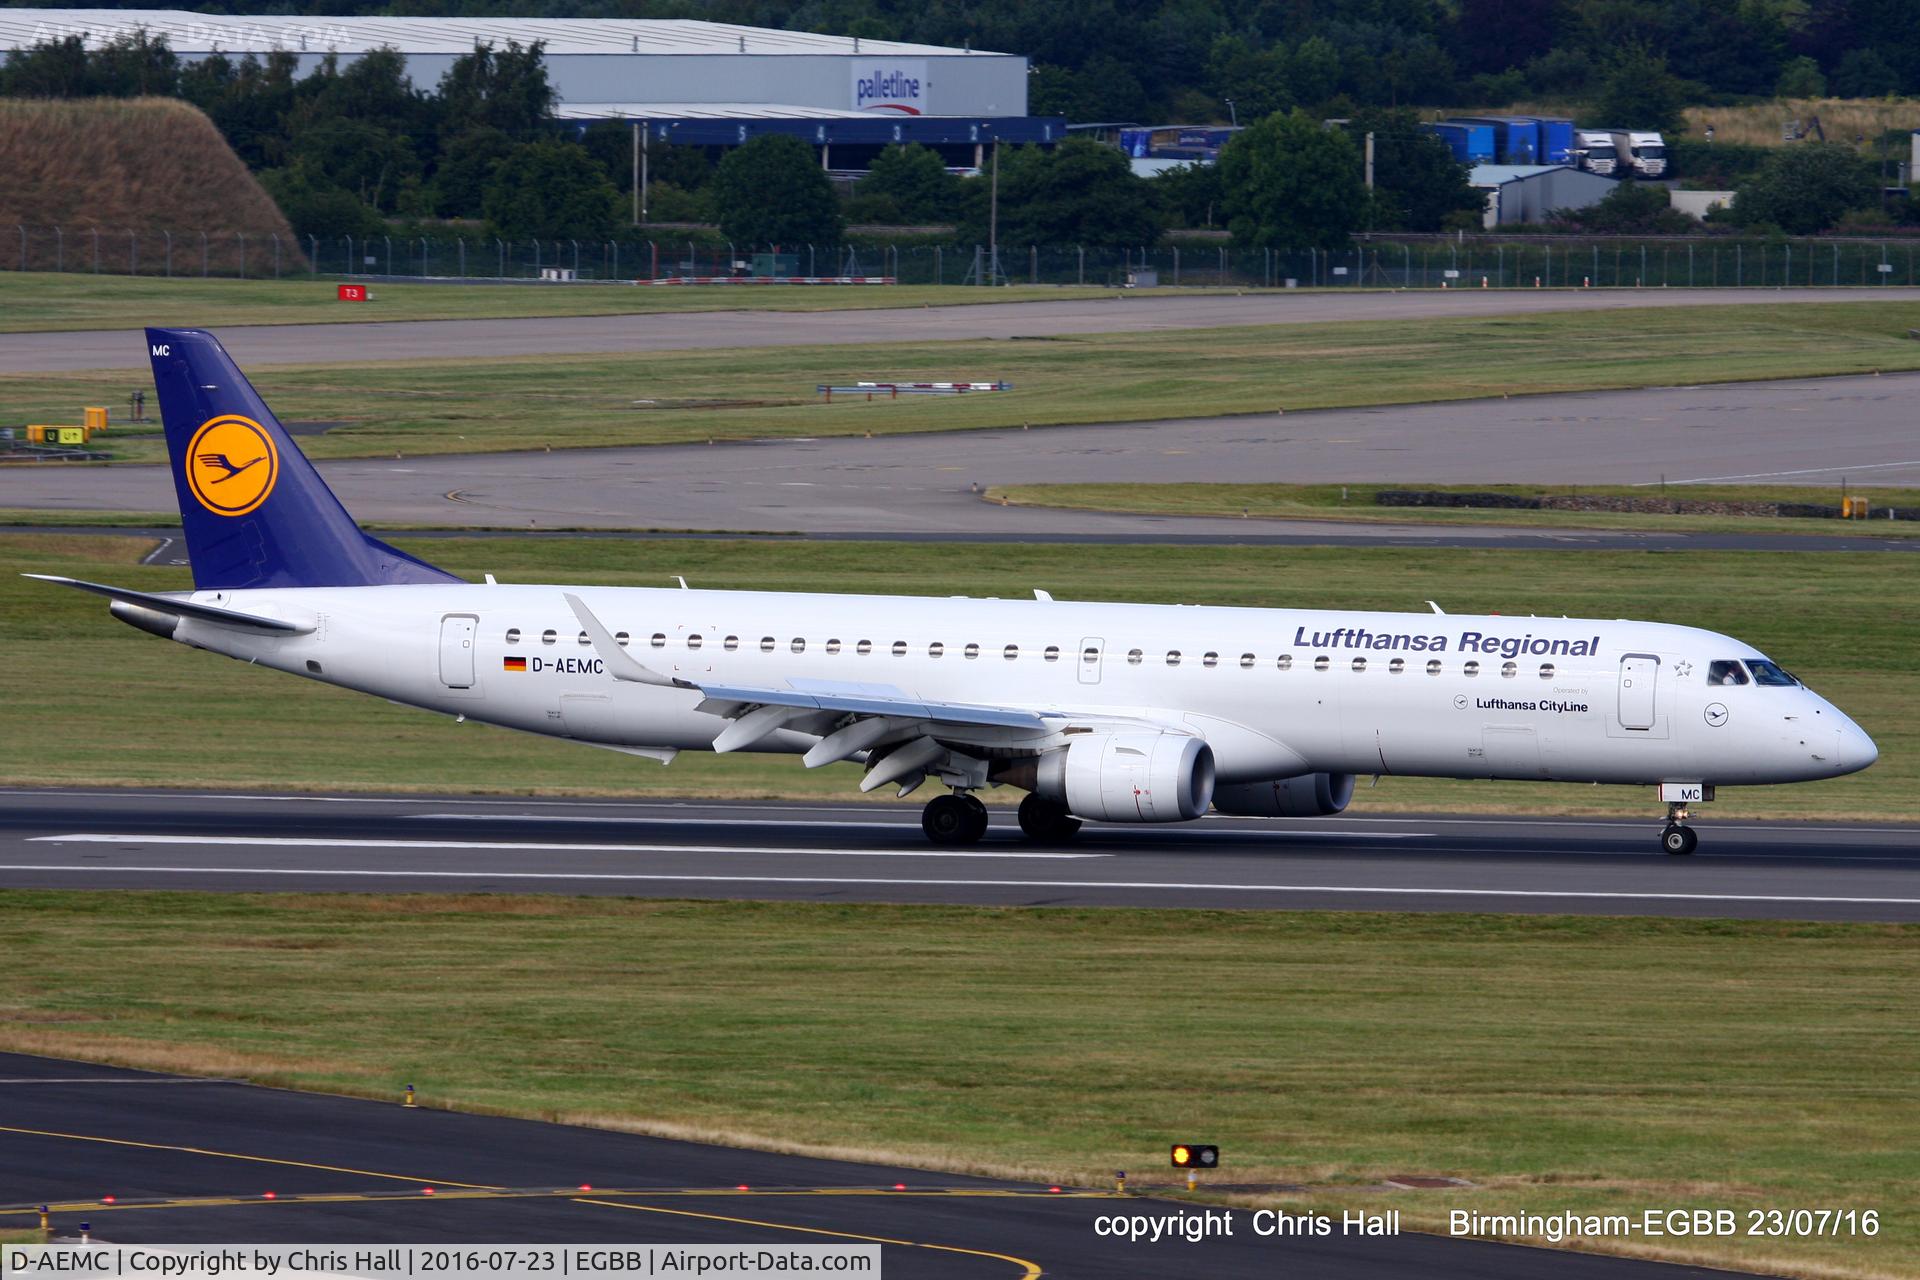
(1395,262)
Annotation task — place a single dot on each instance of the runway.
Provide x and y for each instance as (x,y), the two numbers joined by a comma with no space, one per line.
(191,1160)
(701,330)
(1813,432)
(867,853)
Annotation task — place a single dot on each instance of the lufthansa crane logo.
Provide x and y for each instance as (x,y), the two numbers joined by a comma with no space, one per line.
(231,465)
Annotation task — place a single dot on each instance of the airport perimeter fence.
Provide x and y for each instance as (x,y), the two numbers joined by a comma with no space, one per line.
(1388,261)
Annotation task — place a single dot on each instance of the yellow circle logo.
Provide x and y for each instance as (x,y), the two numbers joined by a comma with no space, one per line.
(231,465)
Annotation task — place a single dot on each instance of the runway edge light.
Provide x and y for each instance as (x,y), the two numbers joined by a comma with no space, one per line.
(1195,1155)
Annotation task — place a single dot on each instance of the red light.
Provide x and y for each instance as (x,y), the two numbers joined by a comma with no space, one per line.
(1053,1188)
(586,1186)
(899,1186)
(426,1191)
(741,1187)
(106,1200)
(269,1195)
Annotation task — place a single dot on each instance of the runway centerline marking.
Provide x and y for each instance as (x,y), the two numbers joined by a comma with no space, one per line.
(529,846)
(1179,886)
(1029,1270)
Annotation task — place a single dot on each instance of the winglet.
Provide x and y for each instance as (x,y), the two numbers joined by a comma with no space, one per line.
(621,665)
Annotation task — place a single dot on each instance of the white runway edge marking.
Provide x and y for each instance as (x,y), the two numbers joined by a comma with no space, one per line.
(529,846)
(1198,887)
(669,820)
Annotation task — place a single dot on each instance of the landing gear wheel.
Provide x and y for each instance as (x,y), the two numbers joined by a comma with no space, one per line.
(954,819)
(1047,820)
(1679,841)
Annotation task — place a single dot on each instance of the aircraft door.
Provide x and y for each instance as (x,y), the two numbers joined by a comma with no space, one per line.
(456,650)
(1093,651)
(1639,680)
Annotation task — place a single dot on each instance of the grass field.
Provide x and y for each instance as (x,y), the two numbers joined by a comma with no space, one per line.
(93,701)
(455,406)
(1759,124)
(1355,503)
(45,302)
(1560,1063)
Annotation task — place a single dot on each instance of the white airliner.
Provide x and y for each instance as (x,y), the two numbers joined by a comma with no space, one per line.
(1111,712)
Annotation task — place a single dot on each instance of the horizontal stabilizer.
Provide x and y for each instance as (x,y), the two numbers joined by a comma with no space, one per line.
(181,608)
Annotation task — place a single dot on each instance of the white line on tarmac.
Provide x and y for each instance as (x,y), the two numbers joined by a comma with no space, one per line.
(1769,475)
(882,826)
(316,842)
(1199,887)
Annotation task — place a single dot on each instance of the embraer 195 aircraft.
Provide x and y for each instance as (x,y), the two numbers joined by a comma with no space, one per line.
(1111,712)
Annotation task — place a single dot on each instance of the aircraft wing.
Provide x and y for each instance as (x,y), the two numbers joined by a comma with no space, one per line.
(180,608)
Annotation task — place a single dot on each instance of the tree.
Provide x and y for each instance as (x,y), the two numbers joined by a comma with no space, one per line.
(366,159)
(1640,93)
(50,69)
(1081,192)
(1417,182)
(1313,69)
(1805,188)
(1863,73)
(1292,183)
(1800,78)
(1630,209)
(466,170)
(506,90)
(1255,80)
(316,207)
(773,191)
(1189,194)
(551,189)
(908,184)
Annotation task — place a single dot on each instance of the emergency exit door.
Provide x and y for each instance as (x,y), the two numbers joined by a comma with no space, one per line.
(1092,654)
(456,650)
(1639,679)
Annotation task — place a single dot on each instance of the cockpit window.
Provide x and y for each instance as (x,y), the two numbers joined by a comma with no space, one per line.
(1765,672)
(1726,671)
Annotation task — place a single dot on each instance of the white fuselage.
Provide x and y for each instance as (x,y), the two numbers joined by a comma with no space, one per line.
(1274,692)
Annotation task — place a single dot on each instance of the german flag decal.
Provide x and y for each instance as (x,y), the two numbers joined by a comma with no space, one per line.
(512,663)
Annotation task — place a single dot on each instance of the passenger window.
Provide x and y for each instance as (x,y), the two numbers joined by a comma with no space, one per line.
(833,646)
(1284,662)
(659,640)
(1726,671)
(899,648)
(1210,660)
(1359,664)
(1546,671)
(1053,653)
(1173,657)
(935,649)
(1433,666)
(766,644)
(972,651)
(548,637)
(1322,662)
(1134,656)
(1396,666)
(730,643)
(864,648)
(620,638)
(1246,661)
(513,635)
(1090,655)
(694,642)
(1471,669)
(798,645)
(1011,652)
(1508,670)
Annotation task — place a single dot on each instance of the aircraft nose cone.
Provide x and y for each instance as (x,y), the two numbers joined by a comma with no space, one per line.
(1855,750)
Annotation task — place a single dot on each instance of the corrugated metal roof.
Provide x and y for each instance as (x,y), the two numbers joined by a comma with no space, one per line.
(240,33)
(704,111)
(1494,175)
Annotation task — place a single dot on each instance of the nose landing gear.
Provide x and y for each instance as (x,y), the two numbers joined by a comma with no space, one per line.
(1678,839)
(959,818)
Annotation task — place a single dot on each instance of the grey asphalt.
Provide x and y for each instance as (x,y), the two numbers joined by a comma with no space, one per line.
(693,331)
(838,853)
(1805,432)
(352,1171)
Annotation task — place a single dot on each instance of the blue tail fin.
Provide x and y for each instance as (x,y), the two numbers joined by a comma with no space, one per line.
(255,512)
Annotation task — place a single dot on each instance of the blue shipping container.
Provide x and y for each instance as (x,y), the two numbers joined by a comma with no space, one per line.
(1471,144)
(1556,141)
(1136,142)
(1516,139)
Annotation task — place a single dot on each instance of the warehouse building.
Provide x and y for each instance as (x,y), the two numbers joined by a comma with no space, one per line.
(1529,192)
(700,83)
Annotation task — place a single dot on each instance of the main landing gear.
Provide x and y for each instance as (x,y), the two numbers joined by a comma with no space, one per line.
(960,818)
(1678,839)
(954,819)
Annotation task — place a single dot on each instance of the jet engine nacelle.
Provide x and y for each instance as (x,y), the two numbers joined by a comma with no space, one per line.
(1311,795)
(1129,777)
